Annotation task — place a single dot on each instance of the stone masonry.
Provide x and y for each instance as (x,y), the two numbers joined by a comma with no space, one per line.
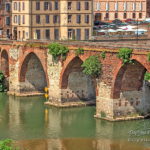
(120,92)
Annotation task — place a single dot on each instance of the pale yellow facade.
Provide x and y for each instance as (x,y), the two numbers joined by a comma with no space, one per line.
(52,20)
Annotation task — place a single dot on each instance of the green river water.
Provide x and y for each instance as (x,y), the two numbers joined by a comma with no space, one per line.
(36,127)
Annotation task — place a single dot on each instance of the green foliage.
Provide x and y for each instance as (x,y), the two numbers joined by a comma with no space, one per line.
(103,55)
(148,57)
(147,76)
(92,66)
(2,86)
(103,114)
(79,51)
(6,145)
(125,55)
(56,50)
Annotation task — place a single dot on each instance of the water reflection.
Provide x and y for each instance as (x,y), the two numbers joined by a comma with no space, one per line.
(81,144)
(26,118)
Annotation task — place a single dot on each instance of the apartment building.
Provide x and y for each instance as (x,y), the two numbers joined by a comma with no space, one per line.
(52,19)
(5,19)
(108,10)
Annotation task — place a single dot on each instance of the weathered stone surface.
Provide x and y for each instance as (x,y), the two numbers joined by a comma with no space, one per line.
(119,91)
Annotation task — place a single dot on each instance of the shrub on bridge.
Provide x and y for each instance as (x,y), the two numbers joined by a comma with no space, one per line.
(79,51)
(148,57)
(56,50)
(147,76)
(2,85)
(92,66)
(103,55)
(125,55)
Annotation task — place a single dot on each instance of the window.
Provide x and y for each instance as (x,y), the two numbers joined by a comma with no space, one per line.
(125,15)
(23,6)
(15,19)
(47,19)
(38,34)
(37,5)
(70,34)
(15,5)
(133,15)
(98,6)
(107,16)
(47,34)
(86,32)
(78,18)
(23,19)
(116,7)
(7,21)
(56,34)
(140,6)
(55,19)
(46,5)
(69,18)
(134,6)
(23,34)
(78,33)
(19,6)
(140,15)
(86,18)
(38,19)
(78,6)
(125,6)
(107,6)
(19,20)
(7,7)
(116,15)
(69,5)
(56,5)
(86,5)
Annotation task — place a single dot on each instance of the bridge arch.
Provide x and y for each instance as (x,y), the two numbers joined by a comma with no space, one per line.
(129,73)
(5,63)
(32,75)
(74,83)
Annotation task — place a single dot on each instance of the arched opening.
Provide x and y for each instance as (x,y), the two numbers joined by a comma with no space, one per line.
(75,84)
(5,67)
(131,92)
(5,63)
(32,75)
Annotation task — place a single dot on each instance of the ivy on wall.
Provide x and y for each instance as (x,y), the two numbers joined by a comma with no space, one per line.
(125,55)
(92,66)
(79,51)
(2,85)
(56,50)
(147,76)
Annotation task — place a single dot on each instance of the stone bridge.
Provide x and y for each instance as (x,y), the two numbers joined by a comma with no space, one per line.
(120,92)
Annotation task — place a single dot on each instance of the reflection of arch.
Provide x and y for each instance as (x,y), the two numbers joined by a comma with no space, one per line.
(75,84)
(128,78)
(5,63)
(32,73)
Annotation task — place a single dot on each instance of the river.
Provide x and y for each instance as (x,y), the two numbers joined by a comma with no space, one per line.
(35,126)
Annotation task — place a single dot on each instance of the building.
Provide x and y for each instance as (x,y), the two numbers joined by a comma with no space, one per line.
(52,19)
(5,19)
(108,10)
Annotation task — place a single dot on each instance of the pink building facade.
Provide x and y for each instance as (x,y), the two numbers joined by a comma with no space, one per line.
(108,10)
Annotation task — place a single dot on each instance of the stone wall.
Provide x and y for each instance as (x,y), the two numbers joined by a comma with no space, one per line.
(80,87)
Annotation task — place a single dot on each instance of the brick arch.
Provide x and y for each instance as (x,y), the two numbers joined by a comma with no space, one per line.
(140,67)
(73,64)
(74,83)
(5,62)
(32,62)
